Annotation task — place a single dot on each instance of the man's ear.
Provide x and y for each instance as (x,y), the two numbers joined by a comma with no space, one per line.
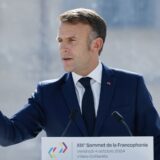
(97,44)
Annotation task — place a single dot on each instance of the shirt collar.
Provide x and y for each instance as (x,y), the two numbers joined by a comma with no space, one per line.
(96,74)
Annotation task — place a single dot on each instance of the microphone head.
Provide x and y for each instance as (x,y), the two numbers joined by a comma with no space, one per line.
(117,116)
(72,115)
(120,119)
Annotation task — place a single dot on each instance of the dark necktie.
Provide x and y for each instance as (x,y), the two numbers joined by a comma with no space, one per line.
(88,111)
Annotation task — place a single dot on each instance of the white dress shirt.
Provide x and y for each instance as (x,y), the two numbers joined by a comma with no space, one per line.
(95,76)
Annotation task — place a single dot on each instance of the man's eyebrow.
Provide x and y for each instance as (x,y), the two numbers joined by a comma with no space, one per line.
(73,37)
(70,37)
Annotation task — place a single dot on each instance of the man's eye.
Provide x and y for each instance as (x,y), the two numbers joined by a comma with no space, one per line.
(71,40)
(59,40)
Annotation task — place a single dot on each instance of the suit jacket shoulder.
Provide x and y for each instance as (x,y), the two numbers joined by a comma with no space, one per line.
(125,74)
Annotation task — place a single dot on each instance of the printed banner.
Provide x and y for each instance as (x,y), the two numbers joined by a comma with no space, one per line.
(97,148)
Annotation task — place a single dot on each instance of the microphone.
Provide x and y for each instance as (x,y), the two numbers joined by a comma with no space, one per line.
(120,119)
(71,118)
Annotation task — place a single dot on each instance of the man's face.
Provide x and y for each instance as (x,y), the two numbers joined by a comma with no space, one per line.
(76,50)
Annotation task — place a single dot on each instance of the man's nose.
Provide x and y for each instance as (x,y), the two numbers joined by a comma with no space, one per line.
(64,47)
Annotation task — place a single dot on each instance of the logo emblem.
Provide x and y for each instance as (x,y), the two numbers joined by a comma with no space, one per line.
(61,148)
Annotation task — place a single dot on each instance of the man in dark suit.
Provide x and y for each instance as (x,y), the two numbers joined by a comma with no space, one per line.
(57,103)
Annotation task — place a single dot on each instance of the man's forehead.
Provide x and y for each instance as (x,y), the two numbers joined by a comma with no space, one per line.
(72,30)
(73,27)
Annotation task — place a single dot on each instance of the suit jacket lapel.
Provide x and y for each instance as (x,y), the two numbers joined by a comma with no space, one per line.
(107,89)
(70,97)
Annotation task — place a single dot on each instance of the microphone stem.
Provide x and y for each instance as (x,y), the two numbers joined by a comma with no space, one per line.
(126,126)
(65,130)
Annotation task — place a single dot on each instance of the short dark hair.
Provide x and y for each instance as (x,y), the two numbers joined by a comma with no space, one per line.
(86,16)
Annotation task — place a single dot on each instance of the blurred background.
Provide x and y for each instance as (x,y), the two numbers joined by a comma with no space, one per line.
(29,51)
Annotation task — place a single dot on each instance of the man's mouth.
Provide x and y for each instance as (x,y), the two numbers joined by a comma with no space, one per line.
(66,59)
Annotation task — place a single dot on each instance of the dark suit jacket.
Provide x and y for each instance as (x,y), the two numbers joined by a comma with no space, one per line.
(50,106)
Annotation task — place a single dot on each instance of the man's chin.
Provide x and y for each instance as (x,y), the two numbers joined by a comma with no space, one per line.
(67,69)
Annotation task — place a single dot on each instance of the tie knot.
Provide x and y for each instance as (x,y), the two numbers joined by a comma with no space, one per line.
(85,81)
